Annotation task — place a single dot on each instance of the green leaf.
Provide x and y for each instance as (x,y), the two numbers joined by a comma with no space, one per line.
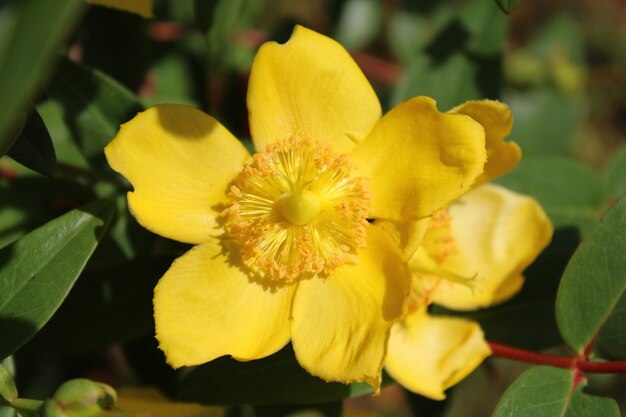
(508,6)
(548,392)
(30,32)
(34,148)
(593,284)
(277,379)
(462,63)
(106,306)
(30,201)
(226,16)
(616,174)
(94,107)
(13,132)
(570,193)
(359,23)
(37,271)
(65,148)
(536,129)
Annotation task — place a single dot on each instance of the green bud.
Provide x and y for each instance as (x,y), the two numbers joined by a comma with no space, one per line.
(568,77)
(80,398)
(8,392)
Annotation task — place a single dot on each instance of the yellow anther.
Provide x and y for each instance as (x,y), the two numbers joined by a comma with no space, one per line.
(297,210)
(300,207)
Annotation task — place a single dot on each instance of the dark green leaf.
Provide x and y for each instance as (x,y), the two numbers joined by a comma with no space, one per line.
(274,380)
(94,107)
(547,392)
(541,392)
(594,283)
(37,271)
(13,132)
(34,148)
(587,403)
(106,306)
(65,148)
(536,129)
(508,6)
(30,201)
(570,193)
(616,174)
(30,32)
(463,62)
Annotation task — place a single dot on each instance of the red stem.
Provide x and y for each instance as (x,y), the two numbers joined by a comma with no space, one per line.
(532,357)
(567,362)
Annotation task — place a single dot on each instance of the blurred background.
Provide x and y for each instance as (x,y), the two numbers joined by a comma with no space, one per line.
(560,65)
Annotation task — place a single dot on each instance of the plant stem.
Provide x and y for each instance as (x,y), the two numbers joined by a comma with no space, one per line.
(580,363)
(25,406)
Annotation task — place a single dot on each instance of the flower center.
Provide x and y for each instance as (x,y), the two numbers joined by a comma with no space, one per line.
(300,207)
(297,210)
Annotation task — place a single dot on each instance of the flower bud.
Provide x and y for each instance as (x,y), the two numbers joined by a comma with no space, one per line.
(8,392)
(80,398)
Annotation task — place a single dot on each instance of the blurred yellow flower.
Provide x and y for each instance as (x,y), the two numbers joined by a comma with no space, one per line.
(150,402)
(485,240)
(284,247)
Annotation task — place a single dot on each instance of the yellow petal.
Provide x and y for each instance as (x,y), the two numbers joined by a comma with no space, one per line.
(205,306)
(149,402)
(408,235)
(497,120)
(497,233)
(428,355)
(141,7)
(309,87)
(418,159)
(341,323)
(180,162)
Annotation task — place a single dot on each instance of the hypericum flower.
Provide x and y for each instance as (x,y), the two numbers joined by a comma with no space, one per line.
(485,240)
(285,250)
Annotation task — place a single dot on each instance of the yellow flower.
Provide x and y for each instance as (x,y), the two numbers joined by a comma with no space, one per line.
(485,240)
(150,402)
(284,247)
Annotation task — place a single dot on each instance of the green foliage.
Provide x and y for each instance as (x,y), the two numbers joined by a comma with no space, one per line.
(94,106)
(30,32)
(593,284)
(277,379)
(37,271)
(462,62)
(570,193)
(34,148)
(116,301)
(359,23)
(547,392)
(616,175)
(508,6)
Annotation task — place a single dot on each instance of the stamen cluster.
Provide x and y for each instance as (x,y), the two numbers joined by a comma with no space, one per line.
(310,177)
